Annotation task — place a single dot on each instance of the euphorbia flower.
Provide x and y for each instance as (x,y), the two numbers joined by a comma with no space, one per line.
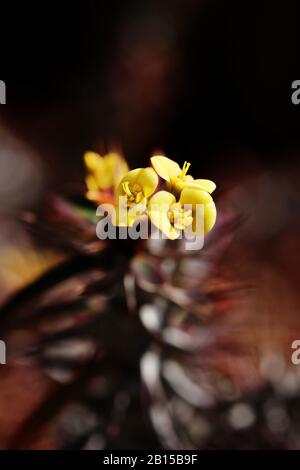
(177,177)
(135,187)
(167,214)
(104,174)
(172,217)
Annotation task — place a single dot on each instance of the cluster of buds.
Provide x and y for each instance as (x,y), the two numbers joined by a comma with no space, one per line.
(163,193)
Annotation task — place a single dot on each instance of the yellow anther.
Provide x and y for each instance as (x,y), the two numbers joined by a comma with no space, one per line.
(126,189)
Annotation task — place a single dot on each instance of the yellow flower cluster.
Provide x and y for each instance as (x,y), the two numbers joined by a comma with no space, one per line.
(103,175)
(164,192)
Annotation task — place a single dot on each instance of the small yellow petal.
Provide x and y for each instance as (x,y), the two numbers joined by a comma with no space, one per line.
(208,185)
(91,183)
(105,179)
(116,166)
(205,185)
(165,167)
(148,180)
(210,216)
(158,208)
(194,196)
(162,199)
(112,160)
(93,161)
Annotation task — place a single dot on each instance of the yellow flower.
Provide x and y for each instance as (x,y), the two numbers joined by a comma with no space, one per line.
(104,174)
(172,217)
(177,177)
(167,215)
(135,188)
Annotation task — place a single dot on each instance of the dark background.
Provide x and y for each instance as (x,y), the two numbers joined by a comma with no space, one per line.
(207,81)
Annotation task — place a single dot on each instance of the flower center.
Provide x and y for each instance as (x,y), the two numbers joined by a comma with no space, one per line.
(179,217)
(133,192)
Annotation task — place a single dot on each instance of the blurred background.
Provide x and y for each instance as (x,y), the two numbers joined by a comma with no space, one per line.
(207,81)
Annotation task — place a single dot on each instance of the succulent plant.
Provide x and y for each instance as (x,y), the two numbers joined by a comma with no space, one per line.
(133,334)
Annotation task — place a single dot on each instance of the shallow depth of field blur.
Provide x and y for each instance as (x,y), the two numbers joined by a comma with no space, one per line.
(207,81)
